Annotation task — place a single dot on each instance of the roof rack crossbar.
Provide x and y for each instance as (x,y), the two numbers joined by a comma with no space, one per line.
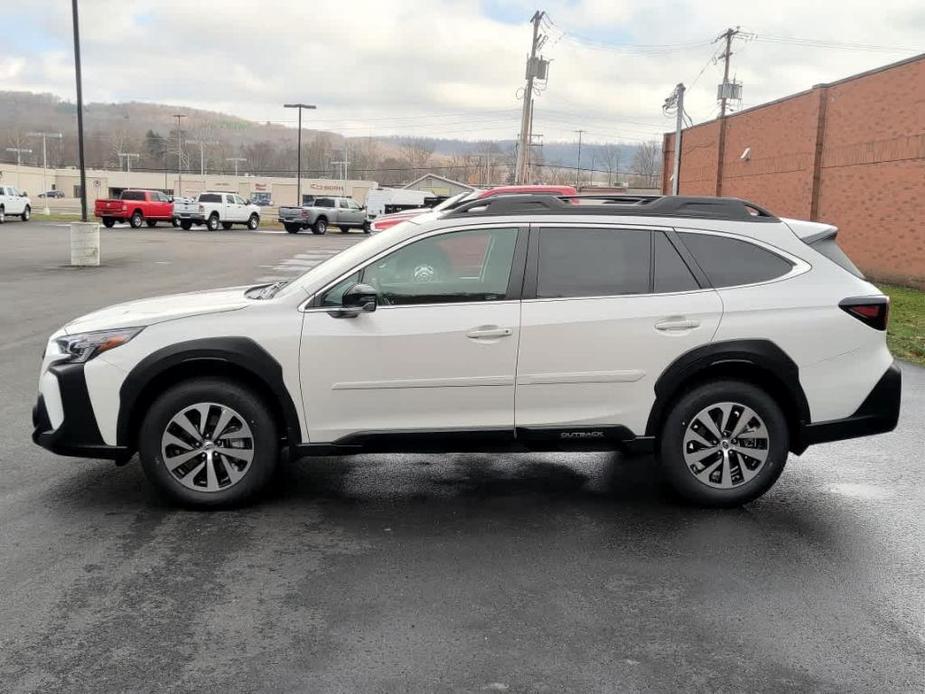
(730,209)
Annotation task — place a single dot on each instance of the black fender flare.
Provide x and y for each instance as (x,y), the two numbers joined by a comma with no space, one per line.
(761,357)
(241,353)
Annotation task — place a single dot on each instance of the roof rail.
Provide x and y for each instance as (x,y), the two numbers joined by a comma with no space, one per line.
(730,209)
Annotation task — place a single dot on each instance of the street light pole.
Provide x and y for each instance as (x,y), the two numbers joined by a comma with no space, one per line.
(235,160)
(80,114)
(19,152)
(578,173)
(45,136)
(178,116)
(298,185)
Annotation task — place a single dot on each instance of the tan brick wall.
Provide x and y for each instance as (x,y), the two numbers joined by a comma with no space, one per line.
(871,150)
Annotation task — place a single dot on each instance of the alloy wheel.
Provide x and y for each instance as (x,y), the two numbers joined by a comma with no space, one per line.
(725,445)
(207,447)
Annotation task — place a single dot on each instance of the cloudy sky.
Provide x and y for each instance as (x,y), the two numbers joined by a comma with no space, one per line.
(449,68)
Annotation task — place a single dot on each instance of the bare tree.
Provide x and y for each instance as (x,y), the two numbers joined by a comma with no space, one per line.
(610,156)
(647,162)
(417,152)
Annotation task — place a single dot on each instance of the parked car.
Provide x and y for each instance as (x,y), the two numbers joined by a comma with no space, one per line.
(390,200)
(135,206)
(225,209)
(52,194)
(185,212)
(706,330)
(384,222)
(344,213)
(13,203)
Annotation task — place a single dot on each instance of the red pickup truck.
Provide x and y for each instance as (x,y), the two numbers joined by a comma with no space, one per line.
(137,207)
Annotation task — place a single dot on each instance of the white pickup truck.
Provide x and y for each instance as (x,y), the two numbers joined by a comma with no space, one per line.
(14,204)
(216,208)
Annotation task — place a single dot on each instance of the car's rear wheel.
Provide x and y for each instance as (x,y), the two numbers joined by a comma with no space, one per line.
(175,222)
(212,222)
(253,222)
(724,444)
(344,230)
(320,227)
(26,214)
(226,225)
(136,219)
(151,223)
(185,224)
(292,228)
(366,227)
(208,442)
(2,214)
(109,222)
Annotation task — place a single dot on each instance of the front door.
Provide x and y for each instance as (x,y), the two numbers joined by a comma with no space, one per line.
(605,311)
(438,354)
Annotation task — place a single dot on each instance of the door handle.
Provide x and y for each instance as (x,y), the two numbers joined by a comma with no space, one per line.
(684,324)
(489,331)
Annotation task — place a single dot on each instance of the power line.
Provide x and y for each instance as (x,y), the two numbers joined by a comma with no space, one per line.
(835,45)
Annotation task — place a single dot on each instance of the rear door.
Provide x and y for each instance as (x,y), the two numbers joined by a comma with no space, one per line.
(606,309)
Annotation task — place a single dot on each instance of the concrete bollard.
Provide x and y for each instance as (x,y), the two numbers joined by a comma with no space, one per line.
(85,244)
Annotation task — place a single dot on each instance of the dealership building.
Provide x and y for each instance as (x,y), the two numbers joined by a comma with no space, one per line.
(103,184)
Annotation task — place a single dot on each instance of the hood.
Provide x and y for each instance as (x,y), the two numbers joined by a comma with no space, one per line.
(160,308)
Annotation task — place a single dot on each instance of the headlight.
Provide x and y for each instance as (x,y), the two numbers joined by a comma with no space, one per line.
(84,346)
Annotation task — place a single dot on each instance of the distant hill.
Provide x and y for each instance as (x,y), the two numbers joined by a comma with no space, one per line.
(149,130)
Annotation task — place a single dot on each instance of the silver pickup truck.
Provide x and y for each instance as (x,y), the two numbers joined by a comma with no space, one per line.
(344,213)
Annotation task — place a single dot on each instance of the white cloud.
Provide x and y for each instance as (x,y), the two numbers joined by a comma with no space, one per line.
(388,67)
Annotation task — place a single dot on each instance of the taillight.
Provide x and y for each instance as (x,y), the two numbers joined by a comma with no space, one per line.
(871,310)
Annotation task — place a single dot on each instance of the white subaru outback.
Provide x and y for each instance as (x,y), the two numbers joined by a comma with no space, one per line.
(703,329)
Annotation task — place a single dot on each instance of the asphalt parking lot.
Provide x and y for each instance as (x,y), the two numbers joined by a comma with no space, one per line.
(540,573)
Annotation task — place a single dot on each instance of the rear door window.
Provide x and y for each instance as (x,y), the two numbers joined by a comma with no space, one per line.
(729,262)
(133,195)
(210,197)
(592,262)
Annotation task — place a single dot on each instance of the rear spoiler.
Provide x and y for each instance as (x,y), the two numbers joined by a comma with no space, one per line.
(821,238)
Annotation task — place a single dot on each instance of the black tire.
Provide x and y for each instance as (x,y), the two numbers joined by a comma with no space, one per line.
(212,222)
(366,227)
(136,219)
(2,214)
(226,225)
(185,224)
(109,222)
(320,227)
(224,393)
(26,214)
(174,222)
(671,443)
(151,223)
(253,222)
(292,228)
(344,230)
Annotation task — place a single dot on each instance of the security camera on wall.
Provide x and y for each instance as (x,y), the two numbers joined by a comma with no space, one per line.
(747,154)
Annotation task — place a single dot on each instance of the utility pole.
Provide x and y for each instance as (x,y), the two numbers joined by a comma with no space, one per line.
(675,100)
(725,92)
(236,160)
(202,157)
(179,116)
(128,160)
(45,136)
(344,164)
(298,185)
(533,70)
(578,172)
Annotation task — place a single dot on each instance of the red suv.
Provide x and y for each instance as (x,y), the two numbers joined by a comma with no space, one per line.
(390,220)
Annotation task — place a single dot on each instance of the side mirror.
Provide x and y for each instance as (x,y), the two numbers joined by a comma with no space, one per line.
(24,194)
(357,299)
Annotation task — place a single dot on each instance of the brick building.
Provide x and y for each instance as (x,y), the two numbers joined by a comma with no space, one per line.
(851,153)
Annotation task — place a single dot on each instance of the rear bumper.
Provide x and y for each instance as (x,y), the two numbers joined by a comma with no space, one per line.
(878,414)
(78,434)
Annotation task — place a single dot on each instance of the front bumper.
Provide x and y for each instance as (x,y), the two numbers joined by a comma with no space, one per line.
(78,434)
(878,414)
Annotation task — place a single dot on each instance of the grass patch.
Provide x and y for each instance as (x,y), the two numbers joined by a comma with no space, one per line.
(906,335)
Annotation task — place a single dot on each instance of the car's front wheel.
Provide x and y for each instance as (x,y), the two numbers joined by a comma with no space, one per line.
(26,214)
(253,222)
(208,442)
(724,444)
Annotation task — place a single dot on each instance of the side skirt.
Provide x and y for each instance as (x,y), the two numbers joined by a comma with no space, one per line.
(523,439)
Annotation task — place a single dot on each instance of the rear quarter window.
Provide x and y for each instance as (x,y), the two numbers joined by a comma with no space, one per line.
(730,262)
